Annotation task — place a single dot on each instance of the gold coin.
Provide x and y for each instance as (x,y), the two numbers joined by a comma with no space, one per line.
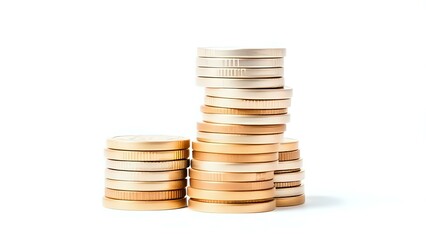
(145,176)
(145,186)
(287,184)
(238,138)
(144,205)
(231,201)
(236,111)
(240,129)
(247,103)
(289,144)
(289,177)
(289,192)
(288,165)
(287,171)
(240,62)
(241,52)
(290,155)
(247,119)
(146,156)
(232,208)
(231,195)
(236,158)
(230,177)
(148,166)
(240,83)
(290,201)
(234,148)
(144,196)
(240,72)
(233,167)
(148,142)
(231,186)
(271,93)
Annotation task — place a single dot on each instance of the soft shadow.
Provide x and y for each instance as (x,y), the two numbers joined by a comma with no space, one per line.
(316,202)
(322,201)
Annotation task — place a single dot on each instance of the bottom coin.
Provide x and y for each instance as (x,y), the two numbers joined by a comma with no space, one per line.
(144,205)
(290,201)
(231,208)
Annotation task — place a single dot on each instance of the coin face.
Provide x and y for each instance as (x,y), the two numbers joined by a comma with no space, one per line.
(148,142)
(148,138)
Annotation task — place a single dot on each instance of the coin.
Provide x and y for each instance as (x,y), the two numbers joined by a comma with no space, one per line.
(241,52)
(146,156)
(247,119)
(233,167)
(232,208)
(238,139)
(236,158)
(148,142)
(239,72)
(240,83)
(231,195)
(230,177)
(288,192)
(287,165)
(145,186)
(272,93)
(287,184)
(144,196)
(148,166)
(236,111)
(290,155)
(290,201)
(240,129)
(289,144)
(234,148)
(246,103)
(144,205)
(231,186)
(240,62)
(289,177)
(145,176)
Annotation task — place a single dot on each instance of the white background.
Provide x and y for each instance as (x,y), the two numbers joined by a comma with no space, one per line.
(74,73)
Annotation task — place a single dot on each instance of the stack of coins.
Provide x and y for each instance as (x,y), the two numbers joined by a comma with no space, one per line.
(288,176)
(244,117)
(146,172)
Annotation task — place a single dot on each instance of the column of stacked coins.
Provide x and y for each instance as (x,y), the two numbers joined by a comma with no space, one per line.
(288,176)
(244,117)
(146,172)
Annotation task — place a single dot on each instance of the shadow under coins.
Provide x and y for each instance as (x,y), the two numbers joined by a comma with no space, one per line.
(316,202)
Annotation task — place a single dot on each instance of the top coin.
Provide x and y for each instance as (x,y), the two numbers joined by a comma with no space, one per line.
(242,52)
(148,142)
(288,144)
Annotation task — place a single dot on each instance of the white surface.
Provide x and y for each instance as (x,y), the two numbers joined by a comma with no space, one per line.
(76,72)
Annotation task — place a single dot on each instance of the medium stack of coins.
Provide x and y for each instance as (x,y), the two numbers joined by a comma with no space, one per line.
(146,172)
(288,176)
(244,117)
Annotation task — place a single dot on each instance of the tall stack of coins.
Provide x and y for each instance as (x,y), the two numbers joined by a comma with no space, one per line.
(244,117)
(288,176)
(146,172)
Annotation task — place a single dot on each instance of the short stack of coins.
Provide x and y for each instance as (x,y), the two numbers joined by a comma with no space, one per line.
(244,117)
(289,175)
(146,172)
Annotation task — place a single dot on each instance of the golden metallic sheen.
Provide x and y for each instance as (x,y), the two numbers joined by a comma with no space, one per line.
(290,201)
(232,208)
(235,158)
(146,155)
(144,205)
(231,195)
(234,148)
(240,129)
(148,142)
(145,186)
(236,111)
(230,177)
